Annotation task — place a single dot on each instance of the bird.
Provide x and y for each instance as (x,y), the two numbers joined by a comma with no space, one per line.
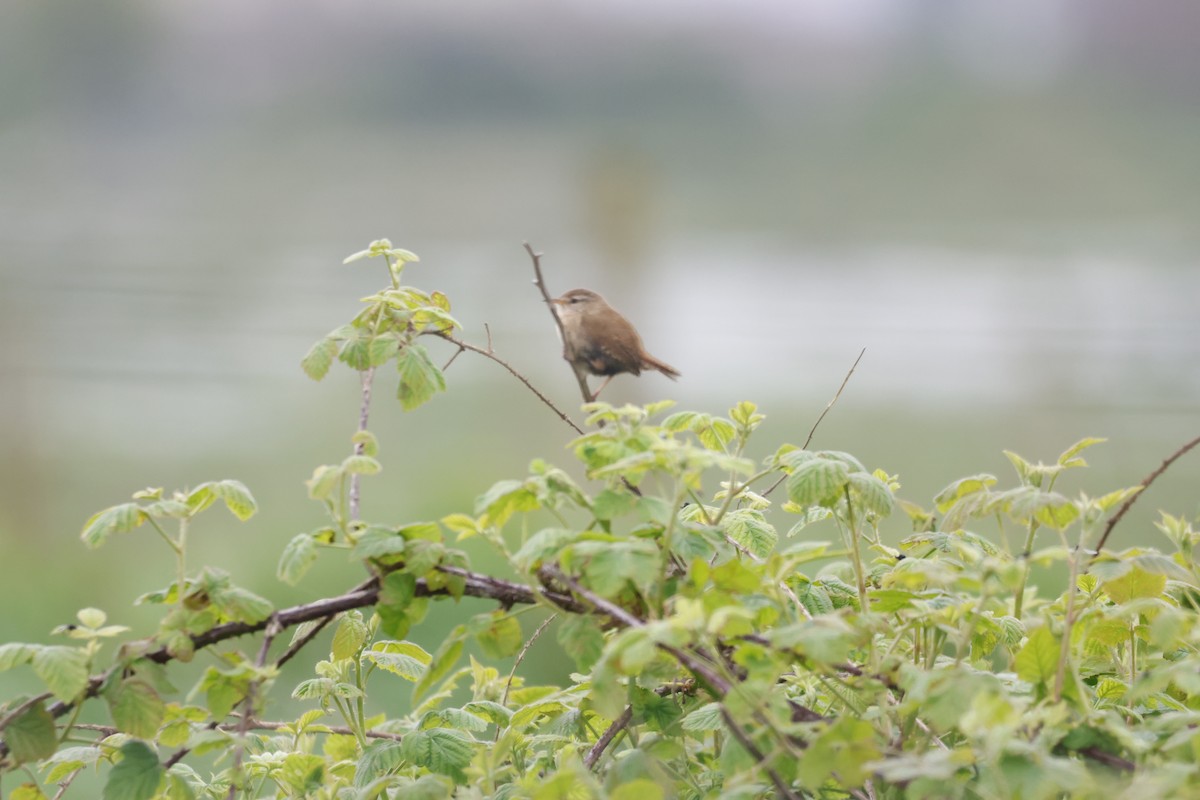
(597,340)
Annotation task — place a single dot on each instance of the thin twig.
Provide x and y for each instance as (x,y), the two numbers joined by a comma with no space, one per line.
(252,689)
(521,657)
(828,406)
(1149,479)
(758,755)
(540,282)
(489,354)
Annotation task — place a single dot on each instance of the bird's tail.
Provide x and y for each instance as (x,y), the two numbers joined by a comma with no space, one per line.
(650,362)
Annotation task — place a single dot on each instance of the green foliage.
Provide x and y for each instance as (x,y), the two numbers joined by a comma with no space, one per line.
(714,656)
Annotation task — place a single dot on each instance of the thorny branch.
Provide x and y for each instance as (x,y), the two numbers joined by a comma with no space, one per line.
(1149,479)
(828,406)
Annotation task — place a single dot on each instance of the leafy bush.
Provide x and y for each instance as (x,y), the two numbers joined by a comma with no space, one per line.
(714,656)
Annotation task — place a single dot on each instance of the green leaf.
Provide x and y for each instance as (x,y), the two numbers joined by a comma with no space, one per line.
(610,504)
(63,670)
(441,664)
(581,639)
(136,776)
(382,347)
(349,637)
(325,479)
(501,637)
(872,493)
(946,498)
(116,519)
(381,757)
(610,565)
(1068,457)
(361,465)
(135,707)
(236,496)
(420,379)
(399,658)
(31,736)
(659,713)
(1037,661)
(355,352)
(504,499)
(817,482)
(750,529)
(317,361)
(297,558)
(13,654)
(1134,584)
(441,750)
(241,605)
(378,541)
(705,718)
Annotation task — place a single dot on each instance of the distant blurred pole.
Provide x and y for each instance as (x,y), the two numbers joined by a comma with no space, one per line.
(620,209)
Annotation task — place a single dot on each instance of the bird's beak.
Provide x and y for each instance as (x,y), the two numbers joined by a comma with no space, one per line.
(558,301)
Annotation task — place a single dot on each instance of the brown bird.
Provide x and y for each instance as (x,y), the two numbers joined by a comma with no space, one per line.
(599,341)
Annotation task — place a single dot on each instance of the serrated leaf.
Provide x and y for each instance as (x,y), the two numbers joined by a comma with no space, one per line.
(135,707)
(705,718)
(31,736)
(441,664)
(319,358)
(356,351)
(1037,660)
(406,666)
(504,499)
(382,347)
(962,487)
(441,750)
(136,776)
(349,637)
(62,669)
(378,541)
(817,482)
(581,639)
(324,481)
(297,558)
(237,498)
(872,493)
(241,605)
(1135,584)
(420,378)
(116,519)
(13,654)
(501,637)
(751,531)
(1068,457)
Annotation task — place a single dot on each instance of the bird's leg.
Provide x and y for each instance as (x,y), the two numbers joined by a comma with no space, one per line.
(601,389)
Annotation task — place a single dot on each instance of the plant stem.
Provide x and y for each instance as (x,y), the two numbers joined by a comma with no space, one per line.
(858,565)
(181,561)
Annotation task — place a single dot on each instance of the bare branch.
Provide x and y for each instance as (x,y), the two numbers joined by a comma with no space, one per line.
(489,354)
(521,657)
(828,406)
(1149,479)
(540,282)
(610,733)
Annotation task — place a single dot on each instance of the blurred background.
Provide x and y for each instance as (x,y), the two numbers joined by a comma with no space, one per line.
(998,201)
